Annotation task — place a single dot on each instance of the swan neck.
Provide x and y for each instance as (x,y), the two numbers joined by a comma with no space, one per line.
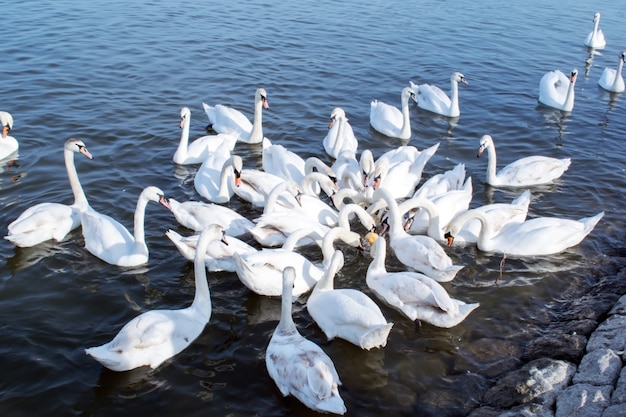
(454,98)
(223,193)
(286,323)
(406,122)
(339,139)
(434,229)
(491,164)
(378,261)
(140,215)
(79,195)
(569,99)
(184,136)
(394,213)
(256,135)
(618,73)
(202,297)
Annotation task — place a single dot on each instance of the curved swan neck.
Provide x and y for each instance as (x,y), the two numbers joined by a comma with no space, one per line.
(365,218)
(140,215)
(80,199)
(434,229)
(329,238)
(486,229)
(202,297)
(394,213)
(223,193)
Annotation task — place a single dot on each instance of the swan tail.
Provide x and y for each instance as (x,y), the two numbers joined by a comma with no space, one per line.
(590,222)
(210,112)
(375,337)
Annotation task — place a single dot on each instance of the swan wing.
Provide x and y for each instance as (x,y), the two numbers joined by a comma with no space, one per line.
(385,118)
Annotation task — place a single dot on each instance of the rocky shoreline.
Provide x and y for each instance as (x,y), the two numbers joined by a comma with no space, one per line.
(575,368)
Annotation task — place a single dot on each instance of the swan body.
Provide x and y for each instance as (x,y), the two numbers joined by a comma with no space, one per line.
(441,183)
(279,161)
(45,221)
(213,181)
(524,172)
(422,253)
(197,216)
(533,237)
(155,336)
(340,135)
(8,144)
(198,150)
(557,90)
(109,240)
(218,256)
(415,295)
(298,366)
(310,205)
(433,99)
(347,313)
(224,119)
(254,186)
(401,178)
(595,38)
(611,79)
(389,120)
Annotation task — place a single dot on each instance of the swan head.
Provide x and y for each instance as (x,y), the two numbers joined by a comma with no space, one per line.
(459,78)
(77,145)
(596,17)
(335,115)
(622,56)
(449,238)
(153,193)
(237,164)
(366,162)
(7,122)
(261,96)
(485,142)
(408,93)
(573,75)
(184,116)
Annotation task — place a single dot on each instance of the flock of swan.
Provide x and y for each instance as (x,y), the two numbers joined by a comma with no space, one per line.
(384,198)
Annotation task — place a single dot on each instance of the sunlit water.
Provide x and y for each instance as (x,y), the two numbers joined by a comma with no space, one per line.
(116,75)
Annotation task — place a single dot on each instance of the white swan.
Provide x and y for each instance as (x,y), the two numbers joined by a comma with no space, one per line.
(155,336)
(197,216)
(224,119)
(109,240)
(452,179)
(611,79)
(347,313)
(557,90)
(218,256)
(254,185)
(432,98)
(390,121)
(298,366)
(524,172)
(279,161)
(401,178)
(422,253)
(198,150)
(595,38)
(213,180)
(415,295)
(340,135)
(8,144)
(45,221)
(536,236)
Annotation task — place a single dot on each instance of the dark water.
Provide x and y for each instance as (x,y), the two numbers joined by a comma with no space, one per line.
(116,75)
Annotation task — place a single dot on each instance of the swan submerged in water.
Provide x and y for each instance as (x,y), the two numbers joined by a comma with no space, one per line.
(433,99)
(155,336)
(45,221)
(557,90)
(611,79)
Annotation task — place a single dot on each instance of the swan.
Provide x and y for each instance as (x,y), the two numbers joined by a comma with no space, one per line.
(524,172)
(401,178)
(213,179)
(109,240)
(298,366)
(340,135)
(155,336)
(595,38)
(198,215)
(279,161)
(45,221)
(8,144)
(218,256)
(415,295)
(445,206)
(390,121)
(199,149)
(422,253)
(254,185)
(433,99)
(533,237)
(223,119)
(350,172)
(557,90)
(347,313)
(452,179)
(311,205)
(611,79)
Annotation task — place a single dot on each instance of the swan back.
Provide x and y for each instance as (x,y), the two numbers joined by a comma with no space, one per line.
(557,90)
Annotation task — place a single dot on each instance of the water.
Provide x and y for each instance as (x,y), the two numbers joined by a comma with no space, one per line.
(116,75)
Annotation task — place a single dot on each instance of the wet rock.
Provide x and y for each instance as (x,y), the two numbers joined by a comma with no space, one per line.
(609,335)
(599,367)
(490,357)
(583,400)
(538,381)
(563,346)
(619,394)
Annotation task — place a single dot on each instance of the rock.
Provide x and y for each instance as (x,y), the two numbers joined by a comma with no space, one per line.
(567,347)
(599,367)
(619,393)
(609,335)
(583,400)
(538,381)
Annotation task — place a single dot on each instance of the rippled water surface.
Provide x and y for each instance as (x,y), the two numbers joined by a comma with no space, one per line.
(116,75)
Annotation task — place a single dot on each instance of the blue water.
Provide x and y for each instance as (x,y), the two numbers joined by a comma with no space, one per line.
(117,73)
